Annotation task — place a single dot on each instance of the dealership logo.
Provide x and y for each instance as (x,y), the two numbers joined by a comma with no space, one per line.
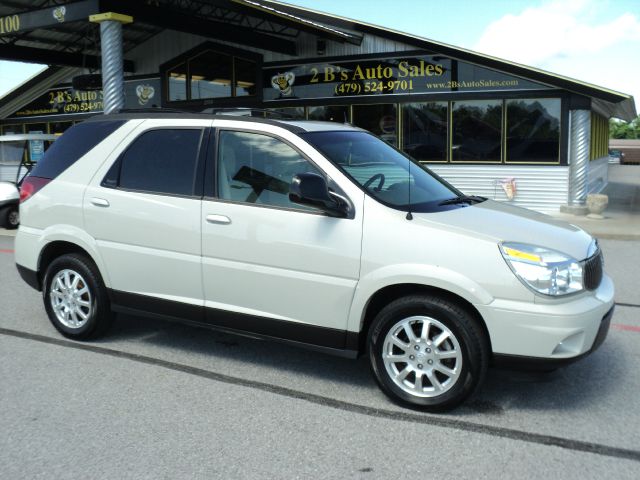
(283,82)
(59,13)
(145,93)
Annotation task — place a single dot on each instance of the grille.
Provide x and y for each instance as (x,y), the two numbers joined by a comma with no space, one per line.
(593,271)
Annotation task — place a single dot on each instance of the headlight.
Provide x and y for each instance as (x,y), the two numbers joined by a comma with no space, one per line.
(543,270)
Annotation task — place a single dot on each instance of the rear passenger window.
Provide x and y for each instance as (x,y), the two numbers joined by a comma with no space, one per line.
(161,161)
(72,145)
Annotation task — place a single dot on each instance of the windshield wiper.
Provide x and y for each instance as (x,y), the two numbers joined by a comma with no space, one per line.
(470,199)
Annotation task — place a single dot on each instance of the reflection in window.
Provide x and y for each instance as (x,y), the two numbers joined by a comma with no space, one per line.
(177,82)
(424,131)
(378,119)
(533,130)
(210,74)
(59,128)
(255,168)
(333,113)
(476,131)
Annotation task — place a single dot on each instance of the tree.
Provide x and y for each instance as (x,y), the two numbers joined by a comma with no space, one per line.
(620,129)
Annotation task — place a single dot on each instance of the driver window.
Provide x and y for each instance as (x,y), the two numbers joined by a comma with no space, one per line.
(256,168)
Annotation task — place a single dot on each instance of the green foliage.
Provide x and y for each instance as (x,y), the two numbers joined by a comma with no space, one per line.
(620,129)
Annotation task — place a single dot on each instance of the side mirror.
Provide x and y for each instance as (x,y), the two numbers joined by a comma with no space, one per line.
(311,189)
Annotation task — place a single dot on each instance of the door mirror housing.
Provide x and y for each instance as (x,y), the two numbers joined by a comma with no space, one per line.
(311,189)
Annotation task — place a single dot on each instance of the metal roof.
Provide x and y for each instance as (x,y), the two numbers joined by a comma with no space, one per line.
(264,24)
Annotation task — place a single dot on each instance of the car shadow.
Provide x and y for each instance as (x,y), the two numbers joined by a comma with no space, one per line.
(575,387)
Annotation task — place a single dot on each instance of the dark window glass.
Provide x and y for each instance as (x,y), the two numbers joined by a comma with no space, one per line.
(424,131)
(161,161)
(288,113)
(37,128)
(246,74)
(210,75)
(255,168)
(75,142)
(382,171)
(177,82)
(477,131)
(533,130)
(378,119)
(333,113)
(8,129)
(59,127)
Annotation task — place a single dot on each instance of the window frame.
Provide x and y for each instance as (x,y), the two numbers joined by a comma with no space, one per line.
(233,100)
(198,176)
(211,187)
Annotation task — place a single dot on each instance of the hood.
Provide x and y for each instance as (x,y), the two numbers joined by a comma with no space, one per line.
(498,222)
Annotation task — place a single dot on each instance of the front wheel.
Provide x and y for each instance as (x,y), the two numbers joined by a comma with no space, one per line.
(75,297)
(427,352)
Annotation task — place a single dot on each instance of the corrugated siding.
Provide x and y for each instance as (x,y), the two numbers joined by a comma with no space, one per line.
(541,188)
(598,175)
(169,44)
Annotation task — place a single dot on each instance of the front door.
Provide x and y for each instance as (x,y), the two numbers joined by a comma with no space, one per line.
(271,266)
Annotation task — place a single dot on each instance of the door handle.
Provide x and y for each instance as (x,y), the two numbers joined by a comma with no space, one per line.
(219,219)
(100,202)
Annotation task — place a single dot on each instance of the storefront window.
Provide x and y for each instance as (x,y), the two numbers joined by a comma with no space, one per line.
(37,128)
(476,131)
(378,119)
(288,113)
(424,131)
(245,77)
(333,113)
(533,130)
(9,129)
(59,128)
(177,83)
(210,74)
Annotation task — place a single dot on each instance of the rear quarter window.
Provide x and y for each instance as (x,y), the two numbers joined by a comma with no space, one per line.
(72,145)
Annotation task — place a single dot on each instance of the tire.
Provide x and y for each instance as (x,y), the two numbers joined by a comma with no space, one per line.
(12,218)
(75,297)
(438,368)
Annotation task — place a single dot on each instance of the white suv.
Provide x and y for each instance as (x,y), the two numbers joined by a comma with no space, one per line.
(313,233)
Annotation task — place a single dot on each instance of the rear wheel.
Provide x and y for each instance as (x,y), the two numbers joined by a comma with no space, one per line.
(427,352)
(12,219)
(75,297)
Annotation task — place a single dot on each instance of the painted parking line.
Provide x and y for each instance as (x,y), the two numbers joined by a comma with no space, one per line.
(5,250)
(627,328)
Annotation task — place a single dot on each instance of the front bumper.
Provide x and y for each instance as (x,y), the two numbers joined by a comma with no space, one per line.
(559,330)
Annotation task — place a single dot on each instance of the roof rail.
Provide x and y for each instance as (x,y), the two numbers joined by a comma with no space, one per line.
(250,112)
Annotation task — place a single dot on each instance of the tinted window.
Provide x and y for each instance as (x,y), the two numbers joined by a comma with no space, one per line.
(255,168)
(533,130)
(161,161)
(477,131)
(72,145)
(424,131)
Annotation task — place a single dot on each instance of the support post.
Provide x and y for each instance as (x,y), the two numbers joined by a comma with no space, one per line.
(579,143)
(112,59)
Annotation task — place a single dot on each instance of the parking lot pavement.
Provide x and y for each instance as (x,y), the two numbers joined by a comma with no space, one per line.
(156,399)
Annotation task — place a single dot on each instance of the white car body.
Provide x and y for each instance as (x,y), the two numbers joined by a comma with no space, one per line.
(299,269)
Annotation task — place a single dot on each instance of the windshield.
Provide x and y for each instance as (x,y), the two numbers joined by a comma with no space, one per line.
(382,171)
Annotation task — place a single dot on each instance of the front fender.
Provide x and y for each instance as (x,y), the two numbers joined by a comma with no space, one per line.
(426,275)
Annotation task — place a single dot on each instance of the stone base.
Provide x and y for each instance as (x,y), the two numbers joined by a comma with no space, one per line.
(580,210)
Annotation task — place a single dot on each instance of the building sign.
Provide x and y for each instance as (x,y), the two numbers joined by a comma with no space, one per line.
(385,76)
(48,17)
(140,93)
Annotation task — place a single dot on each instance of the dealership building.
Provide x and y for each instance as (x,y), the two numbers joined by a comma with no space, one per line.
(490,127)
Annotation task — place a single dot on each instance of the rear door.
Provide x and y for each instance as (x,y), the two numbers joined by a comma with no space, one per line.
(143,209)
(271,266)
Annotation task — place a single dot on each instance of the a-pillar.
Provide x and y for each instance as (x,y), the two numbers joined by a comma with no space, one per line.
(112,59)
